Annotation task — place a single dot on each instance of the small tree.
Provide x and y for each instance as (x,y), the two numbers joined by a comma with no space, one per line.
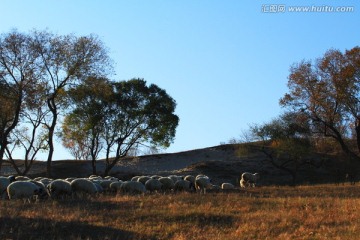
(83,127)
(286,141)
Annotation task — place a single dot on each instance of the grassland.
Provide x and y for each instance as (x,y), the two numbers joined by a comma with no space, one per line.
(304,212)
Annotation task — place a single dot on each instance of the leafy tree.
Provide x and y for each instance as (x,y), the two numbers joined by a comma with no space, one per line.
(132,114)
(138,114)
(83,126)
(327,92)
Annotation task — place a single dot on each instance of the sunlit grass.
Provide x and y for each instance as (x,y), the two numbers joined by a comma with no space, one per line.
(305,212)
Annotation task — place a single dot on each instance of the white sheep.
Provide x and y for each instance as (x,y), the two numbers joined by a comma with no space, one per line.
(133,187)
(190,178)
(225,186)
(183,185)
(111,178)
(70,179)
(153,185)
(95,177)
(135,178)
(105,184)
(202,183)
(116,186)
(143,179)
(175,178)
(99,188)
(167,184)
(43,193)
(248,179)
(22,189)
(59,188)
(22,178)
(155,177)
(45,181)
(82,185)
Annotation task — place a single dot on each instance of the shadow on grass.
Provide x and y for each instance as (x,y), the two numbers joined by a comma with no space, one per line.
(205,220)
(200,220)
(38,229)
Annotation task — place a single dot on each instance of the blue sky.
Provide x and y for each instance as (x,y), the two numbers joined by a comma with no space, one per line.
(224,62)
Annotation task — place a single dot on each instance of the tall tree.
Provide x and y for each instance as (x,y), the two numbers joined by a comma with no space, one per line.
(65,61)
(18,76)
(327,91)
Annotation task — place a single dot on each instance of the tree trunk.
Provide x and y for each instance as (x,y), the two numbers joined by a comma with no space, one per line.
(6,133)
(108,168)
(12,162)
(2,152)
(93,155)
(357,130)
(52,107)
(110,165)
(49,159)
(93,163)
(338,137)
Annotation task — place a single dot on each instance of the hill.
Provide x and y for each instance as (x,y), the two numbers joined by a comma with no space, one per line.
(222,163)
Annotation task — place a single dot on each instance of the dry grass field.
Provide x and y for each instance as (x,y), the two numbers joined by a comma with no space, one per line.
(303,212)
(272,211)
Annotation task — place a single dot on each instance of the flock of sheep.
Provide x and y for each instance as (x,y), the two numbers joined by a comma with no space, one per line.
(21,187)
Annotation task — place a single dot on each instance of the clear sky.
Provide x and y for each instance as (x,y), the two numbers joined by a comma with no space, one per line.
(225,62)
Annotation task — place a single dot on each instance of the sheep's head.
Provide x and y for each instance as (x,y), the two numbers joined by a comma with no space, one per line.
(42,193)
(12,178)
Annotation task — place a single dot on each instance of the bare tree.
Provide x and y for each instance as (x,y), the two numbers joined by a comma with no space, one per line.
(65,61)
(18,76)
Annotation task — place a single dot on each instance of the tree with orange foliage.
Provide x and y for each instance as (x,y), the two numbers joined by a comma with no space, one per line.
(327,92)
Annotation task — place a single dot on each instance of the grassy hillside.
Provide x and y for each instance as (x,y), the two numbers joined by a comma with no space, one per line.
(223,163)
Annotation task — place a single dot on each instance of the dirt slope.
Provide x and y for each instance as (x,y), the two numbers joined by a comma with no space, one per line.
(222,163)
